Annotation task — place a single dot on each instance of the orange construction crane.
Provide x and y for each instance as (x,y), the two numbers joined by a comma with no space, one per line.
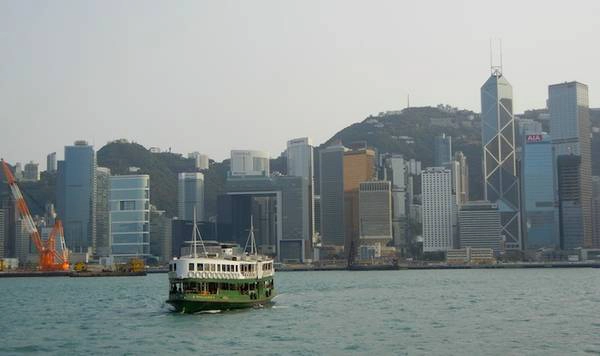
(50,259)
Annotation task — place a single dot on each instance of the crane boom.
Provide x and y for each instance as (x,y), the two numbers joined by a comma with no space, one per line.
(49,258)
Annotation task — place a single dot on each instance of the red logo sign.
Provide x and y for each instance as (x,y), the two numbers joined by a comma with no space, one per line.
(534,138)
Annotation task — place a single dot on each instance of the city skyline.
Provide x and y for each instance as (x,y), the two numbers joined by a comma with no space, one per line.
(197,65)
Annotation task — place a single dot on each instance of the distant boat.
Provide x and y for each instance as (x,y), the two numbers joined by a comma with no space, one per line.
(220,279)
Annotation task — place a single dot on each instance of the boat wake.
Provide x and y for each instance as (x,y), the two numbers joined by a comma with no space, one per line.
(209,311)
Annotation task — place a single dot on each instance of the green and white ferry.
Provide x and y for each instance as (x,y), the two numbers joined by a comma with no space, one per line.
(218,278)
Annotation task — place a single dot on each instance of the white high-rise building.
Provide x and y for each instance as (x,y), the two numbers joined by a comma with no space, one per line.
(249,163)
(200,160)
(438,207)
(300,158)
(190,196)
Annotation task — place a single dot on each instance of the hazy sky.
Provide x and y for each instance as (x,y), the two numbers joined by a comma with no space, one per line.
(211,76)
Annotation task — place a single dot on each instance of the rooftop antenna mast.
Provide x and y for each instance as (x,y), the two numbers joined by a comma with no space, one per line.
(496,49)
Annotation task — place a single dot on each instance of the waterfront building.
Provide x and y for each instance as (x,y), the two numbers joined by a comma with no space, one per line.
(540,200)
(51,162)
(396,172)
(190,196)
(479,225)
(331,161)
(102,212)
(22,242)
(460,176)
(277,204)
(437,205)
(568,105)
(200,160)
(470,255)
(249,163)
(3,232)
(442,150)
(359,166)
(77,196)
(31,173)
(299,155)
(375,214)
(499,160)
(160,235)
(596,211)
(129,201)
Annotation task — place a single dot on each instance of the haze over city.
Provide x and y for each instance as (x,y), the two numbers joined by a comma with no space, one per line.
(214,76)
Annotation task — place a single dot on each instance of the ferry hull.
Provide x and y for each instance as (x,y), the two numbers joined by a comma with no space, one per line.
(189,305)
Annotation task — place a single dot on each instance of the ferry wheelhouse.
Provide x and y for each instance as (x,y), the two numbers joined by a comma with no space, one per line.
(219,278)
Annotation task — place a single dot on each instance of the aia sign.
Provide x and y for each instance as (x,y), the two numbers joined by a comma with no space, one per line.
(534,138)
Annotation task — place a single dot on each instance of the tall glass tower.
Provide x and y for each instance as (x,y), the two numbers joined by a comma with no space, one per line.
(568,104)
(499,165)
(78,201)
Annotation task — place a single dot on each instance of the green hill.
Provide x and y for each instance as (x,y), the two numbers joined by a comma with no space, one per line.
(408,132)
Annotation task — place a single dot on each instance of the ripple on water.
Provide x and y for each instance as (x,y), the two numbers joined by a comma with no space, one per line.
(396,312)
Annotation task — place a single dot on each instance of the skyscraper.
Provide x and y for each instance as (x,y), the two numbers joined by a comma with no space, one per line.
(570,129)
(359,167)
(442,150)
(479,225)
(129,217)
(300,158)
(51,162)
(79,200)
(398,176)
(461,178)
(375,214)
(3,232)
(332,195)
(190,196)
(438,207)
(102,211)
(300,164)
(596,211)
(499,161)
(161,234)
(540,201)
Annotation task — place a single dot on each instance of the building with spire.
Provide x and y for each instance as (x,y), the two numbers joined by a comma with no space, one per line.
(499,162)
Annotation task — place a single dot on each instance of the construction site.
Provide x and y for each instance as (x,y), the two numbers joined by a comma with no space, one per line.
(53,256)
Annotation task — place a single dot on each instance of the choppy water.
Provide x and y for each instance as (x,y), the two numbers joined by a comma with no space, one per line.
(460,312)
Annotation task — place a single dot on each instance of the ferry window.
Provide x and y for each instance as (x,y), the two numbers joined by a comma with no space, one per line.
(212,267)
(227,269)
(199,267)
(219,268)
(174,266)
(191,266)
(236,268)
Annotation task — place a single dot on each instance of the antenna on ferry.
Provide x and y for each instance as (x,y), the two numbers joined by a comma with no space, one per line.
(194,254)
(196,231)
(251,240)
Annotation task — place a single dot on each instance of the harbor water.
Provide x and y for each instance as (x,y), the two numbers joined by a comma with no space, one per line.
(443,312)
